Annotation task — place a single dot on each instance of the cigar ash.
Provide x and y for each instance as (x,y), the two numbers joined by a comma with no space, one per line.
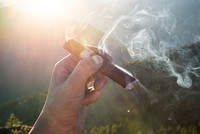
(132,85)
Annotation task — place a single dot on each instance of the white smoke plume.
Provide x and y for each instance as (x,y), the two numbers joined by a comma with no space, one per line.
(138,30)
(145,29)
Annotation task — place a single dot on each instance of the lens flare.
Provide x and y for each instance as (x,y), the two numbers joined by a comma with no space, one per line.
(48,8)
(44,7)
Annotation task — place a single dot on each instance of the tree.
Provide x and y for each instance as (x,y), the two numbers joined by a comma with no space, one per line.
(12,121)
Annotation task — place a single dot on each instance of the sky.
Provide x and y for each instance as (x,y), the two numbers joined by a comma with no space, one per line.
(5,2)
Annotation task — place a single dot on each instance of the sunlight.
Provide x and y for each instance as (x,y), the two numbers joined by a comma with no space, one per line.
(48,8)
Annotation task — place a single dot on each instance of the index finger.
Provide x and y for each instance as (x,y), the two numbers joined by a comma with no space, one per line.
(63,69)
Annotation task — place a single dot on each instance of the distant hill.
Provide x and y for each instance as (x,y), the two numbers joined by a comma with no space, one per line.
(26,108)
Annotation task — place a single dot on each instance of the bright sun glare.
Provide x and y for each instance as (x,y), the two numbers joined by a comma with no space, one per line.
(48,8)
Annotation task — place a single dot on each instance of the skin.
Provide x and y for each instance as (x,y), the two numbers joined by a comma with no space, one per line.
(66,105)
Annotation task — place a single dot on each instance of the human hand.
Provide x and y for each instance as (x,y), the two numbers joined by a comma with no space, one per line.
(66,104)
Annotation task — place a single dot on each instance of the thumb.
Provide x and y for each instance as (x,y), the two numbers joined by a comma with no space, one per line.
(84,69)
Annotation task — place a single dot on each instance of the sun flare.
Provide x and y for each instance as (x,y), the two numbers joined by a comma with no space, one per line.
(48,8)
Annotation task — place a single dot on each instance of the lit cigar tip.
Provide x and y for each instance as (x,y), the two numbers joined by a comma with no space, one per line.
(132,85)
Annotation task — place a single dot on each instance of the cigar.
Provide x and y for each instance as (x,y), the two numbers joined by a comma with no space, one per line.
(114,72)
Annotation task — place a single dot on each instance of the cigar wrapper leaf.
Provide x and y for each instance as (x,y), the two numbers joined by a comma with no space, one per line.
(114,72)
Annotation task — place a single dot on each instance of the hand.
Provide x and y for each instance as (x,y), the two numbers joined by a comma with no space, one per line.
(66,104)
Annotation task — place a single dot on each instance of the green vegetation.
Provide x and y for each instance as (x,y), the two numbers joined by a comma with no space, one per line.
(126,126)
(25,108)
(14,126)
(115,113)
(124,129)
(12,121)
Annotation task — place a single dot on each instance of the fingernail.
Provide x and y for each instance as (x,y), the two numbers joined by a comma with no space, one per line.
(98,60)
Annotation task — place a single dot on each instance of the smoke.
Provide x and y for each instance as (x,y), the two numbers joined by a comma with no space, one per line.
(152,30)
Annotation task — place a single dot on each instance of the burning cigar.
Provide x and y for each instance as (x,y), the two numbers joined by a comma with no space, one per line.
(114,72)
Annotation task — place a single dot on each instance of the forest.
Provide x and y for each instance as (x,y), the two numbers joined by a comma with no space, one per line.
(166,63)
(152,110)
